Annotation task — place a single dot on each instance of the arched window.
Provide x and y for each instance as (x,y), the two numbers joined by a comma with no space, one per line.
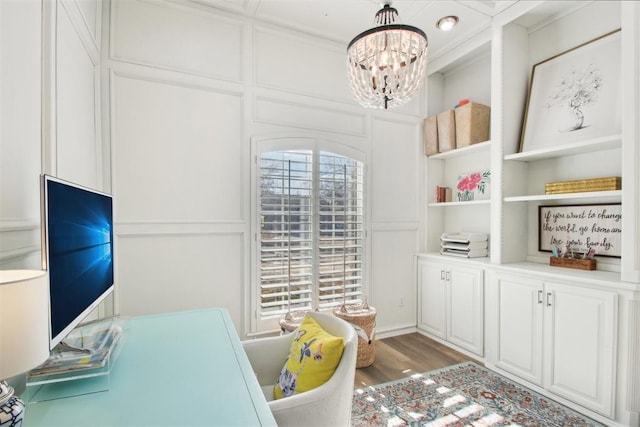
(310,232)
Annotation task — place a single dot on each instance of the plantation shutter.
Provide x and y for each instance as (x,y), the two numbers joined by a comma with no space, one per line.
(286,234)
(341,235)
(311,233)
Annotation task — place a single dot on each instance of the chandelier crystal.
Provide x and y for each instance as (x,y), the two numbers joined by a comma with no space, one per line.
(386,64)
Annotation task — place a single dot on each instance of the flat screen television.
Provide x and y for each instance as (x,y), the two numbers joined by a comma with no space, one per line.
(77,252)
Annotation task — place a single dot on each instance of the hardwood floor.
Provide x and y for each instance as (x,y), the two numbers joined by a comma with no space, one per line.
(404,355)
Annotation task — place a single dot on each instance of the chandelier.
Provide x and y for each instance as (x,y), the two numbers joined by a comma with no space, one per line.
(386,64)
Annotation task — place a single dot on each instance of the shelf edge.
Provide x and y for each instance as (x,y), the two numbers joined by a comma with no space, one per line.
(457,152)
(596,144)
(566,196)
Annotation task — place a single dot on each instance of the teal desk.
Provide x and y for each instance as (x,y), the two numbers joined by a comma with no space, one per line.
(180,369)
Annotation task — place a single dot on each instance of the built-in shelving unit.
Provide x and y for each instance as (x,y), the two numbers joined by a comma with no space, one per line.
(448,83)
(495,71)
(516,271)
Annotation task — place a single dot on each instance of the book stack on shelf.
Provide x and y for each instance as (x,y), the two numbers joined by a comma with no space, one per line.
(584,185)
(443,194)
(464,245)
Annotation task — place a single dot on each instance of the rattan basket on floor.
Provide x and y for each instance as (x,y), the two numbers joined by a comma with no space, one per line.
(363,318)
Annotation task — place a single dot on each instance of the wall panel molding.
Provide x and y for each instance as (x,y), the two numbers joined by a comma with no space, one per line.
(78,151)
(21,54)
(86,18)
(201,130)
(184,228)
(178,38)
(294,62)
(631,142)
(395,226)
(170,77)
(157,274)
(20,241)
(237,6)
(633,374)
(392,277)
(302,114)
(396,155)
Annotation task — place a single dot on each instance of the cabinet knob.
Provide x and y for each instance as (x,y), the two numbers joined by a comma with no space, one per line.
(540,296)
(548,299)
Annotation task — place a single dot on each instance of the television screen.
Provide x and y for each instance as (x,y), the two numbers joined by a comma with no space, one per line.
(78,245)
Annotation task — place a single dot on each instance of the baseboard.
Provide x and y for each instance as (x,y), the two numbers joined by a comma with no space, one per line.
(474,356)
(394,332)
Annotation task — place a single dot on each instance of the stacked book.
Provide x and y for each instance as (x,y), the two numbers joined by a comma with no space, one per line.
(584,185)
(465,245)
(443,194)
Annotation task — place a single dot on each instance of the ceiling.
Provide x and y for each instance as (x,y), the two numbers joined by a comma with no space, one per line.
(341,20)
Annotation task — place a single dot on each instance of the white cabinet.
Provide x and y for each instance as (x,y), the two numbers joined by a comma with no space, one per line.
(560,336)
(452,302)
(520,326)
(433,297)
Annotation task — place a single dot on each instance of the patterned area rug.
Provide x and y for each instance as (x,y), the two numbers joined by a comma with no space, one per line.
(460,395)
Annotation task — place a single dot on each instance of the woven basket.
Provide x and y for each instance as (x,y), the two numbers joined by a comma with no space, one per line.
(291,320)
(363,318)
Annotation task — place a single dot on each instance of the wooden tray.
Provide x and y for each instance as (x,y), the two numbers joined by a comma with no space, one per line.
(577,263)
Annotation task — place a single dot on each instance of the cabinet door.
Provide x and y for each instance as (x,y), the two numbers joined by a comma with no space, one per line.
(465,307)
(580,335)
(520,326)
(433,292)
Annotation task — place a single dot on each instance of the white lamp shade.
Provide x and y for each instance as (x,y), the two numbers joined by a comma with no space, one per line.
(24,321)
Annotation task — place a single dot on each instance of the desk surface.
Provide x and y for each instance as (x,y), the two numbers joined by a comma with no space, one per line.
(178,369)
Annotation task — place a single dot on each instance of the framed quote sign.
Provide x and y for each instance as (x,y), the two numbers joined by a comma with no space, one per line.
(582,227)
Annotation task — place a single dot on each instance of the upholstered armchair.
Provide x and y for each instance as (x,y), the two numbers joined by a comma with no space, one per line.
(326,405)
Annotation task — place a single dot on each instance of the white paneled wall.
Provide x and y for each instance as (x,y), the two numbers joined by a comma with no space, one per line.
(396,200)
(157,102)
(190,87)
(295,63)
(49,113)
(393,291)
(177,152)
(396,155)
(183,270)
(78,154)
(20,56)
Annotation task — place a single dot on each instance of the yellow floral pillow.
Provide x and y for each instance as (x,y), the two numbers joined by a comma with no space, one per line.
(313,357)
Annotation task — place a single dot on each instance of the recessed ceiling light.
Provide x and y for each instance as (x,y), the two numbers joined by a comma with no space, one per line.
(447,23)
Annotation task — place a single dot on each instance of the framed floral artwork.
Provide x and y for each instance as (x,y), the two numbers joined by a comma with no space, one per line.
(473,186)
(574,96)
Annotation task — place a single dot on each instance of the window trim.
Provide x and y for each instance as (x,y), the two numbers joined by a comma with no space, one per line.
(257,325)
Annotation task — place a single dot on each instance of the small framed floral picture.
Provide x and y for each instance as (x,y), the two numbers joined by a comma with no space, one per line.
(474,186)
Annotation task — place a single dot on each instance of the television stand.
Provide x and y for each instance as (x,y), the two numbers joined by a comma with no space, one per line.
(86,356)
